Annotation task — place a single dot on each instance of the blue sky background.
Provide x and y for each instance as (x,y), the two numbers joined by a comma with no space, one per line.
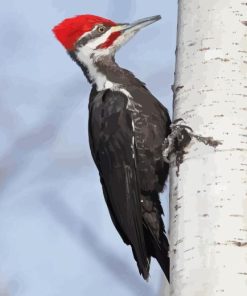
(56,236)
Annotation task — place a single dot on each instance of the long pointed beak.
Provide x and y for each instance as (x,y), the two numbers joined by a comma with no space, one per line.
(137,25)
(129,30)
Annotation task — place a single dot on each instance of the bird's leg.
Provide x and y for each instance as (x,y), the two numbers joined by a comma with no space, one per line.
(179,138)
(176,142)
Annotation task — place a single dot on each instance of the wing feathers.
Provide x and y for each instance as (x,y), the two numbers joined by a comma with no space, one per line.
(112,141)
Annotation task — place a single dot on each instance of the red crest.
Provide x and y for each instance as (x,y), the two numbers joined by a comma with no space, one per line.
(71,29)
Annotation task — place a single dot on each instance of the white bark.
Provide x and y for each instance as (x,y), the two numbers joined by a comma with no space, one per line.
(208,204)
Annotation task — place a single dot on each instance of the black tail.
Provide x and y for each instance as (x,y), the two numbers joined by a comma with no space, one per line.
(143,268)
(160,252)
(156,241)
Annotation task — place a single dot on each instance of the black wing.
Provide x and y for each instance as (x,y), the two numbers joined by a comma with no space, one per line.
(151,127)
(112,145)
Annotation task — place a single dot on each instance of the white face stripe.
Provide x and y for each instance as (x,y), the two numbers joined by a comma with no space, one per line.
(87,54)
(86,34)
(100,40)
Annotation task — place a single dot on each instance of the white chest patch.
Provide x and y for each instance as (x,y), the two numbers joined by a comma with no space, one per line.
(101,81)
(98,78)
(84,56)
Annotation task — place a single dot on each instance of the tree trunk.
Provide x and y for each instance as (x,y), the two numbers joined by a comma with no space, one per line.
(208,204)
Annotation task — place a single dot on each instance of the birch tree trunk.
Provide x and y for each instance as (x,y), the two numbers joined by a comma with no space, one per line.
(208,203)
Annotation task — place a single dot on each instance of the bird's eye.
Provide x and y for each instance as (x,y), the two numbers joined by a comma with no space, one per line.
(101,29)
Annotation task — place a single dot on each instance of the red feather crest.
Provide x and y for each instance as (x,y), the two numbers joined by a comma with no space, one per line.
(71,29)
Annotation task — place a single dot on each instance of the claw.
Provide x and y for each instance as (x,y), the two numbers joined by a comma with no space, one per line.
(178,139)
(177,120)
(185,127)
(180,126)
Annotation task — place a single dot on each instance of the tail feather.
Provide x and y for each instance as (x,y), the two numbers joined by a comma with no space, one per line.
(143,268)
(161,254)
(155,238)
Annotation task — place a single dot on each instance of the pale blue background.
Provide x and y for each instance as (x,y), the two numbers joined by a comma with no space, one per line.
(56,237)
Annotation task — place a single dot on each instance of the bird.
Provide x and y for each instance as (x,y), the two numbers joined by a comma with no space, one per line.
(127,128)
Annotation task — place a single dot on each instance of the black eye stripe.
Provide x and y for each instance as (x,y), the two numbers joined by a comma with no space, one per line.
(83,41)
(93,35)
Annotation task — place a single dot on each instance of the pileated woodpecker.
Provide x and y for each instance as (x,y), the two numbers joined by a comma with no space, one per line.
(127,129)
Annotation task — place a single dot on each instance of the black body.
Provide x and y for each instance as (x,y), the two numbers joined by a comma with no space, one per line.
(127,129)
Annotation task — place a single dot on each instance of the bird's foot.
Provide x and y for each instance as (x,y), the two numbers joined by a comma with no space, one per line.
(179,138)
(176,142)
